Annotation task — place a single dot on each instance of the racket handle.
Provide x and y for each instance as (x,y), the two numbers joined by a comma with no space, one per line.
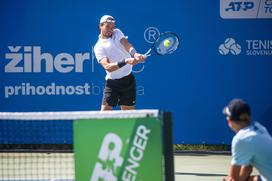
(147,53)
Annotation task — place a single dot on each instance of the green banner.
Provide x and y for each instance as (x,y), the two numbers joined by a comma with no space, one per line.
(127,149)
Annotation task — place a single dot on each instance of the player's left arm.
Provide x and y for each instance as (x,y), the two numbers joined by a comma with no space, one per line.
(245,171)
(131,50)
(234,173)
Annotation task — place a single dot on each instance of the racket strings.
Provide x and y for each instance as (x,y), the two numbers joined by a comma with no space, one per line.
(162,49)
(166,43)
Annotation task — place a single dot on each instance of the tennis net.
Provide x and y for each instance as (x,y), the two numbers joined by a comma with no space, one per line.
(40,145)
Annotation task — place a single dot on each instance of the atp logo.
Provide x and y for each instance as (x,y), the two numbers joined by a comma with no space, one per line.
(111,166)
(240,6)
(109,159)
(245,9)
(229,46)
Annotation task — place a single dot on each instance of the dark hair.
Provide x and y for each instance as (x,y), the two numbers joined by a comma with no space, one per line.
(244,117)
(237,110)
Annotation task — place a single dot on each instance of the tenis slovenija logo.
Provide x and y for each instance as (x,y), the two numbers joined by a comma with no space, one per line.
(229,46)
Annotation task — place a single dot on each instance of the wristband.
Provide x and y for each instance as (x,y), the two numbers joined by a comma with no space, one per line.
(122,63)
(132,51)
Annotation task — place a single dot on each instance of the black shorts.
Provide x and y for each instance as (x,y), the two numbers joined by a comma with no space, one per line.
(120,91)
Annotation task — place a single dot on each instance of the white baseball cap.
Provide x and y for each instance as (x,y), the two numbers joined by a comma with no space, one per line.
(107,18)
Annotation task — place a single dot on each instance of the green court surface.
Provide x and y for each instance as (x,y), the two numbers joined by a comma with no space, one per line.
(201,167)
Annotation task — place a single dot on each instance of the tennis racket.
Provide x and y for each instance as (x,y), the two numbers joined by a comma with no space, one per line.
(166,43)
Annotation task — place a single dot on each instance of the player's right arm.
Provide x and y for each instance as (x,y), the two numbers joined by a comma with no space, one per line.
(102,58)
(110,67)
(241,173)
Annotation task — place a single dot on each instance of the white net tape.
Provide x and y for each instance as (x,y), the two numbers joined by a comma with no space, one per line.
(72,115)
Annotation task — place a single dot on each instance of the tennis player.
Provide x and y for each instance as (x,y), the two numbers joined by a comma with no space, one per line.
(117,56)
(251,146)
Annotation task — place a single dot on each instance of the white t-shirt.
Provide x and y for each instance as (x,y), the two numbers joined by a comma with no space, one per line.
(115,52)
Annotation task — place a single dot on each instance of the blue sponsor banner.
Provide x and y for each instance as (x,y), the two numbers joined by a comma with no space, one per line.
(47,61)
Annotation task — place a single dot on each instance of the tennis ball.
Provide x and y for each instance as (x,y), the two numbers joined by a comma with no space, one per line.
(166,43)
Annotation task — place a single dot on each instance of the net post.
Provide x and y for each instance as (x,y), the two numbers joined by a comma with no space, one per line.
(167,131)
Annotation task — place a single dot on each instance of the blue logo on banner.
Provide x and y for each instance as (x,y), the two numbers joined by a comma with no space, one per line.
(249,9)
(240,6)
